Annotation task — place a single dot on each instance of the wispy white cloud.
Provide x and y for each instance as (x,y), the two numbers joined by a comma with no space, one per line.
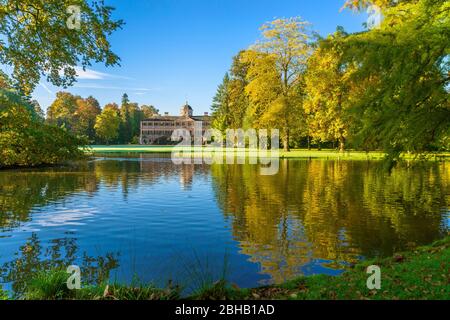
(89,74)
(43,85)
(99,86)
(63,217)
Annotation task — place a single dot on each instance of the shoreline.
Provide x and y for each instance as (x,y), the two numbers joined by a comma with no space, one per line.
(294,154)
(327,154)
(420,273)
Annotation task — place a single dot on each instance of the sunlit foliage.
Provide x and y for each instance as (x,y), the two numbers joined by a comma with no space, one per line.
(404,66)
(26,141)
(107,125)
(275,74)
(329,89)
(386,88)
(36,40)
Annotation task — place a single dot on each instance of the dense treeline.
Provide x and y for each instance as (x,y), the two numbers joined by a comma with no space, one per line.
(385,88)
(112,124)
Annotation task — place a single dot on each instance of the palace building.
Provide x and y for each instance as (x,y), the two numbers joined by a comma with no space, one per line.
(159,129)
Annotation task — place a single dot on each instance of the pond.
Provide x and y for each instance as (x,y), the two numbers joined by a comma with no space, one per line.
(143,217)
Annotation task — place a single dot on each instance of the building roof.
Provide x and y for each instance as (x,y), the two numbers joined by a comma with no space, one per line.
(176,118)
(184,116)
(201,118)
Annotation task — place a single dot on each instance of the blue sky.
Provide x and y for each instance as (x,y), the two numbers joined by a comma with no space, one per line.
(173,50)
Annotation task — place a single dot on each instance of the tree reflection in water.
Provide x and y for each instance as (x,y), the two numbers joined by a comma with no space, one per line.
(316,214)
(310,216)
(32,259)
(24,190)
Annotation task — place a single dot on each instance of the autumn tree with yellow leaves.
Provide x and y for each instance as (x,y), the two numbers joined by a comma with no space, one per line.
(275,74)
(329,87)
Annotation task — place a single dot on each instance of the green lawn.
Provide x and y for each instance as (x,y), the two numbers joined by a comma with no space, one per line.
(295,153)
(423,273)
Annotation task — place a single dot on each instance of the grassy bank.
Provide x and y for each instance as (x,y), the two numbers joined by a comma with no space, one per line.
(423,273)
(295,153)
(420,274)
(3,295)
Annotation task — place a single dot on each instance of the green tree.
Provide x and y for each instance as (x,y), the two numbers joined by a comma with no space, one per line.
(38,110)
(134,122)
(239,100)
(36,39)
(230,105)
(125,99)
(107,125)
(221,113)
(124,130)
(404,66)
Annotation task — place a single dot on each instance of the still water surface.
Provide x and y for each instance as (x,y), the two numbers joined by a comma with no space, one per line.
(141,216)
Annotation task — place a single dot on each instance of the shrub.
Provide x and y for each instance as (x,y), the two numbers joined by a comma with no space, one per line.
(49,286)
(27,141)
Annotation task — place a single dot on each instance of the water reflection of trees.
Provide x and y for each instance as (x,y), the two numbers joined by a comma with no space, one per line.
(32,259)
(329,210)
(22,191)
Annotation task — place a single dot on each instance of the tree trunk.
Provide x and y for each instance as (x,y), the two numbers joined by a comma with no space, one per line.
(309,143)
(341,144)
(286,141)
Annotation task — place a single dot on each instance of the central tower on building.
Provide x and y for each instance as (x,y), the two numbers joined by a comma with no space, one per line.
(186,111)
